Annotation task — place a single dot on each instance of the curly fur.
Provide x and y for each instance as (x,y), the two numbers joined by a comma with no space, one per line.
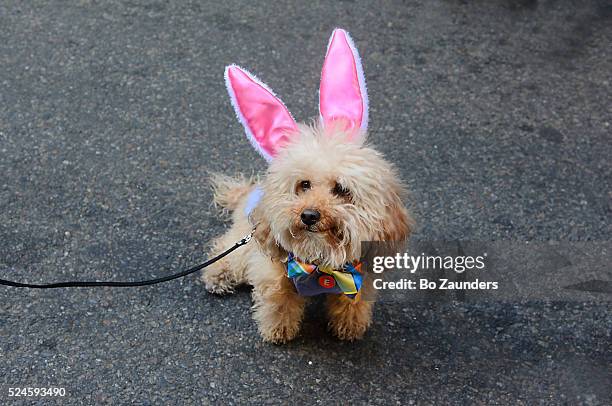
(372,210)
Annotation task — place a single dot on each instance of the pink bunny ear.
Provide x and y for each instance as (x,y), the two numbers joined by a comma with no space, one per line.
(343,94)
(267,122)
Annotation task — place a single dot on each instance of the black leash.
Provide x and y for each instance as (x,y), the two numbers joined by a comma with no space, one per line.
(93,284)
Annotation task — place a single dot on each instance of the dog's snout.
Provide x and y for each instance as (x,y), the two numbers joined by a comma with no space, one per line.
(310,217)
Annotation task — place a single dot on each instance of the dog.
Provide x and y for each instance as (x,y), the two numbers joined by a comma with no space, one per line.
(325,192)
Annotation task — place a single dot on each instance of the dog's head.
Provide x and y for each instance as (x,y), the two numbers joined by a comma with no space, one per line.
(325,190)
(324,195)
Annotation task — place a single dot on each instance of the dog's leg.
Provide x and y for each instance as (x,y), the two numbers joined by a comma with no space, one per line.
(278,309)
(349,318)
(224,275)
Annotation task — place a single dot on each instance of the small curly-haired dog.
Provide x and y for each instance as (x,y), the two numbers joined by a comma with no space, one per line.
(324,192)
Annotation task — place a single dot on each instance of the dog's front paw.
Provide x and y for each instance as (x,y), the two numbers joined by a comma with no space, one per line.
(349,318)
(280,334)
(278,312)
(279,324)
(348,329)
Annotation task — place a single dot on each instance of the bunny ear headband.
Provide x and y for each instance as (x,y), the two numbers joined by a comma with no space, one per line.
(342,97)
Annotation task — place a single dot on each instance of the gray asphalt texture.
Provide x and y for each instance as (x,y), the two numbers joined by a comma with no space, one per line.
(497,114)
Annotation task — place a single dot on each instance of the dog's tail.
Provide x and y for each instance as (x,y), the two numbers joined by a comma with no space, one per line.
(229,191)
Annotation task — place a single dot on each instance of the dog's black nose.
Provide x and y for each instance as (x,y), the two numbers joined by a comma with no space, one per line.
(310,217)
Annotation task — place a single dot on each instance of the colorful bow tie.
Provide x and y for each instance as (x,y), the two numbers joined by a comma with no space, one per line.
(311,280)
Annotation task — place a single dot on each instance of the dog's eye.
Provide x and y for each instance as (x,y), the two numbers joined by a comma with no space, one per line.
(303,186)
(341,191)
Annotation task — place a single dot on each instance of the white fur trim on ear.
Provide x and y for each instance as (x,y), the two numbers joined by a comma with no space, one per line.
(362,82)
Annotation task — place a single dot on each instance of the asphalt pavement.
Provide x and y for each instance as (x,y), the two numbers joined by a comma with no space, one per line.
(496,113)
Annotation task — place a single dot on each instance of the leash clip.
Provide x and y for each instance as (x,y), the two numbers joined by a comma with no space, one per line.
(248,237)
